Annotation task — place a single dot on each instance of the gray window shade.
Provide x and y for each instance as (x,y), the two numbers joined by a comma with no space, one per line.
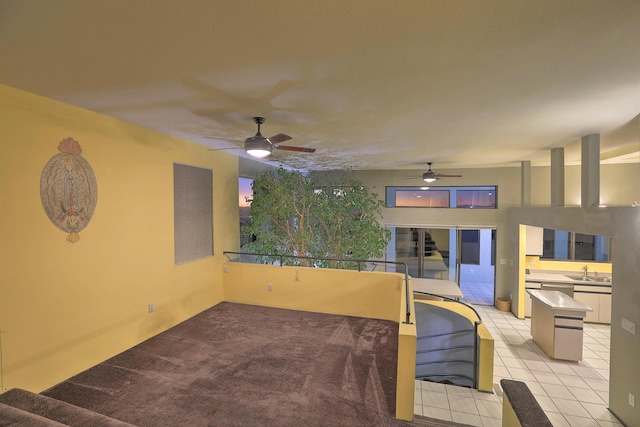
(193,212)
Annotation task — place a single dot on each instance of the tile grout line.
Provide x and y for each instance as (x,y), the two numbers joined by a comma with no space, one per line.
(514,345)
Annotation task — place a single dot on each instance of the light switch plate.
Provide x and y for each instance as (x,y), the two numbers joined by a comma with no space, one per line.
(628,326)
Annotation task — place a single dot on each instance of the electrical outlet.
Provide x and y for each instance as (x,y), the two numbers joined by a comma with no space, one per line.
(225,269)
(503,261)
(270,287)
(151,308)
(632,400)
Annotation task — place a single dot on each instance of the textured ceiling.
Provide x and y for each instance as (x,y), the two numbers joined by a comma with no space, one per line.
(370,84)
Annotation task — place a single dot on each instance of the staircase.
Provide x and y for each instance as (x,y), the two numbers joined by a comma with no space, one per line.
(446,346)
(23,408)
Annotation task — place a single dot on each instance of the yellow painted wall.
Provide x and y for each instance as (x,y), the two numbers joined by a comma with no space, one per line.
(535,263)
(518,309)
(65,307)
(407,345)
(368,294)
(509,417)
(406,373)
(485,359)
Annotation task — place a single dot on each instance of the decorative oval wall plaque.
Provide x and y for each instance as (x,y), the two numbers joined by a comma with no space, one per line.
(68,189)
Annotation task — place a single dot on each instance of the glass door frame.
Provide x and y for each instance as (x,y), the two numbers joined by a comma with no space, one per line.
(455,269)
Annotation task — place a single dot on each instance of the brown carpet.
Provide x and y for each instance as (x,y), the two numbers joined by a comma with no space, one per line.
(243,365)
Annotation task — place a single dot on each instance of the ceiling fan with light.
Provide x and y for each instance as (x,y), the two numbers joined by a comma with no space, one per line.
(431,176)
(261,147)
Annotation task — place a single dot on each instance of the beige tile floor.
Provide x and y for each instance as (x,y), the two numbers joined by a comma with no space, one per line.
(477,292)
(571,393)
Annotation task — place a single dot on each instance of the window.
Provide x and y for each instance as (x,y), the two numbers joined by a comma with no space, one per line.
(422,198)
(244,192)
(564,245)
(470,248)
(442,197)
(588,247)
(476,199)
(192,213)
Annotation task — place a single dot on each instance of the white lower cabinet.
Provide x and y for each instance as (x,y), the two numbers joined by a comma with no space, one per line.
(527,297)
(605,308)
(596,295)
(593,301)
(599,299)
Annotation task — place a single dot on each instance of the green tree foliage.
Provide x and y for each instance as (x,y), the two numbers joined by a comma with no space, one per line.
(294,214)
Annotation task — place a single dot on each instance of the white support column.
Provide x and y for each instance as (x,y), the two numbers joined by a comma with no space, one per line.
(590,177)
(557,177)
(525,183)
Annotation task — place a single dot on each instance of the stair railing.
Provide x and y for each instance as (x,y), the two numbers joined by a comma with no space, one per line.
(474,378)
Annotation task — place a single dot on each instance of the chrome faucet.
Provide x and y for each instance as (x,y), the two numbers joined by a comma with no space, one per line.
(585,269)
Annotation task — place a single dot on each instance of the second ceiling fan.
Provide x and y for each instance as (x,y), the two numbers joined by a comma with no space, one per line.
(261,147)
(431,176)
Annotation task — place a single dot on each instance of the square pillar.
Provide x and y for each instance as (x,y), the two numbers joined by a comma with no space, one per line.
(590,174)
(525,183)
(557,177)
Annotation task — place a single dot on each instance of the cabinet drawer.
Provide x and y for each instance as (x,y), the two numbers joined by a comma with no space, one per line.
(568,322)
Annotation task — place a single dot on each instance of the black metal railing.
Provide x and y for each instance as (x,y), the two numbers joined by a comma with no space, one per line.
(474,378)
(338,261)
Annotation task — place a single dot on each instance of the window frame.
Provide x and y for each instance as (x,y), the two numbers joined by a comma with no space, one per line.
(392,190)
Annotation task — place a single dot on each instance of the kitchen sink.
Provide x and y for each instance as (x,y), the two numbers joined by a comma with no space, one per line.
(602,279)
(580,277)
(599,279)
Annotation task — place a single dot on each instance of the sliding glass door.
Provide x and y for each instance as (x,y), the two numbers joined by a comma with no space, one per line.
(464,256)
(424,250)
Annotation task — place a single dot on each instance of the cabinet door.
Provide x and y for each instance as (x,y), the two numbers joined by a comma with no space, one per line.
(534,240)
(527,297)
(593,301)
(605,309)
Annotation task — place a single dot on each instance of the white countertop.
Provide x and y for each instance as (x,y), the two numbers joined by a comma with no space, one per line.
(558,300)
(445,288)
(549,277)
(561,278)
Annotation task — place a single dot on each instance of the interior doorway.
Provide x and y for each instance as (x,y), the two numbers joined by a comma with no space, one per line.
(477,265)
(465,256)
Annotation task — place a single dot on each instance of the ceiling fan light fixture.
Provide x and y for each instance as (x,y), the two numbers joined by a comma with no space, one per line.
(258,152)
(257,146)
(427,177)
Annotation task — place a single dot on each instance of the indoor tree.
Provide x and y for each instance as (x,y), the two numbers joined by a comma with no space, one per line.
(296,214)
